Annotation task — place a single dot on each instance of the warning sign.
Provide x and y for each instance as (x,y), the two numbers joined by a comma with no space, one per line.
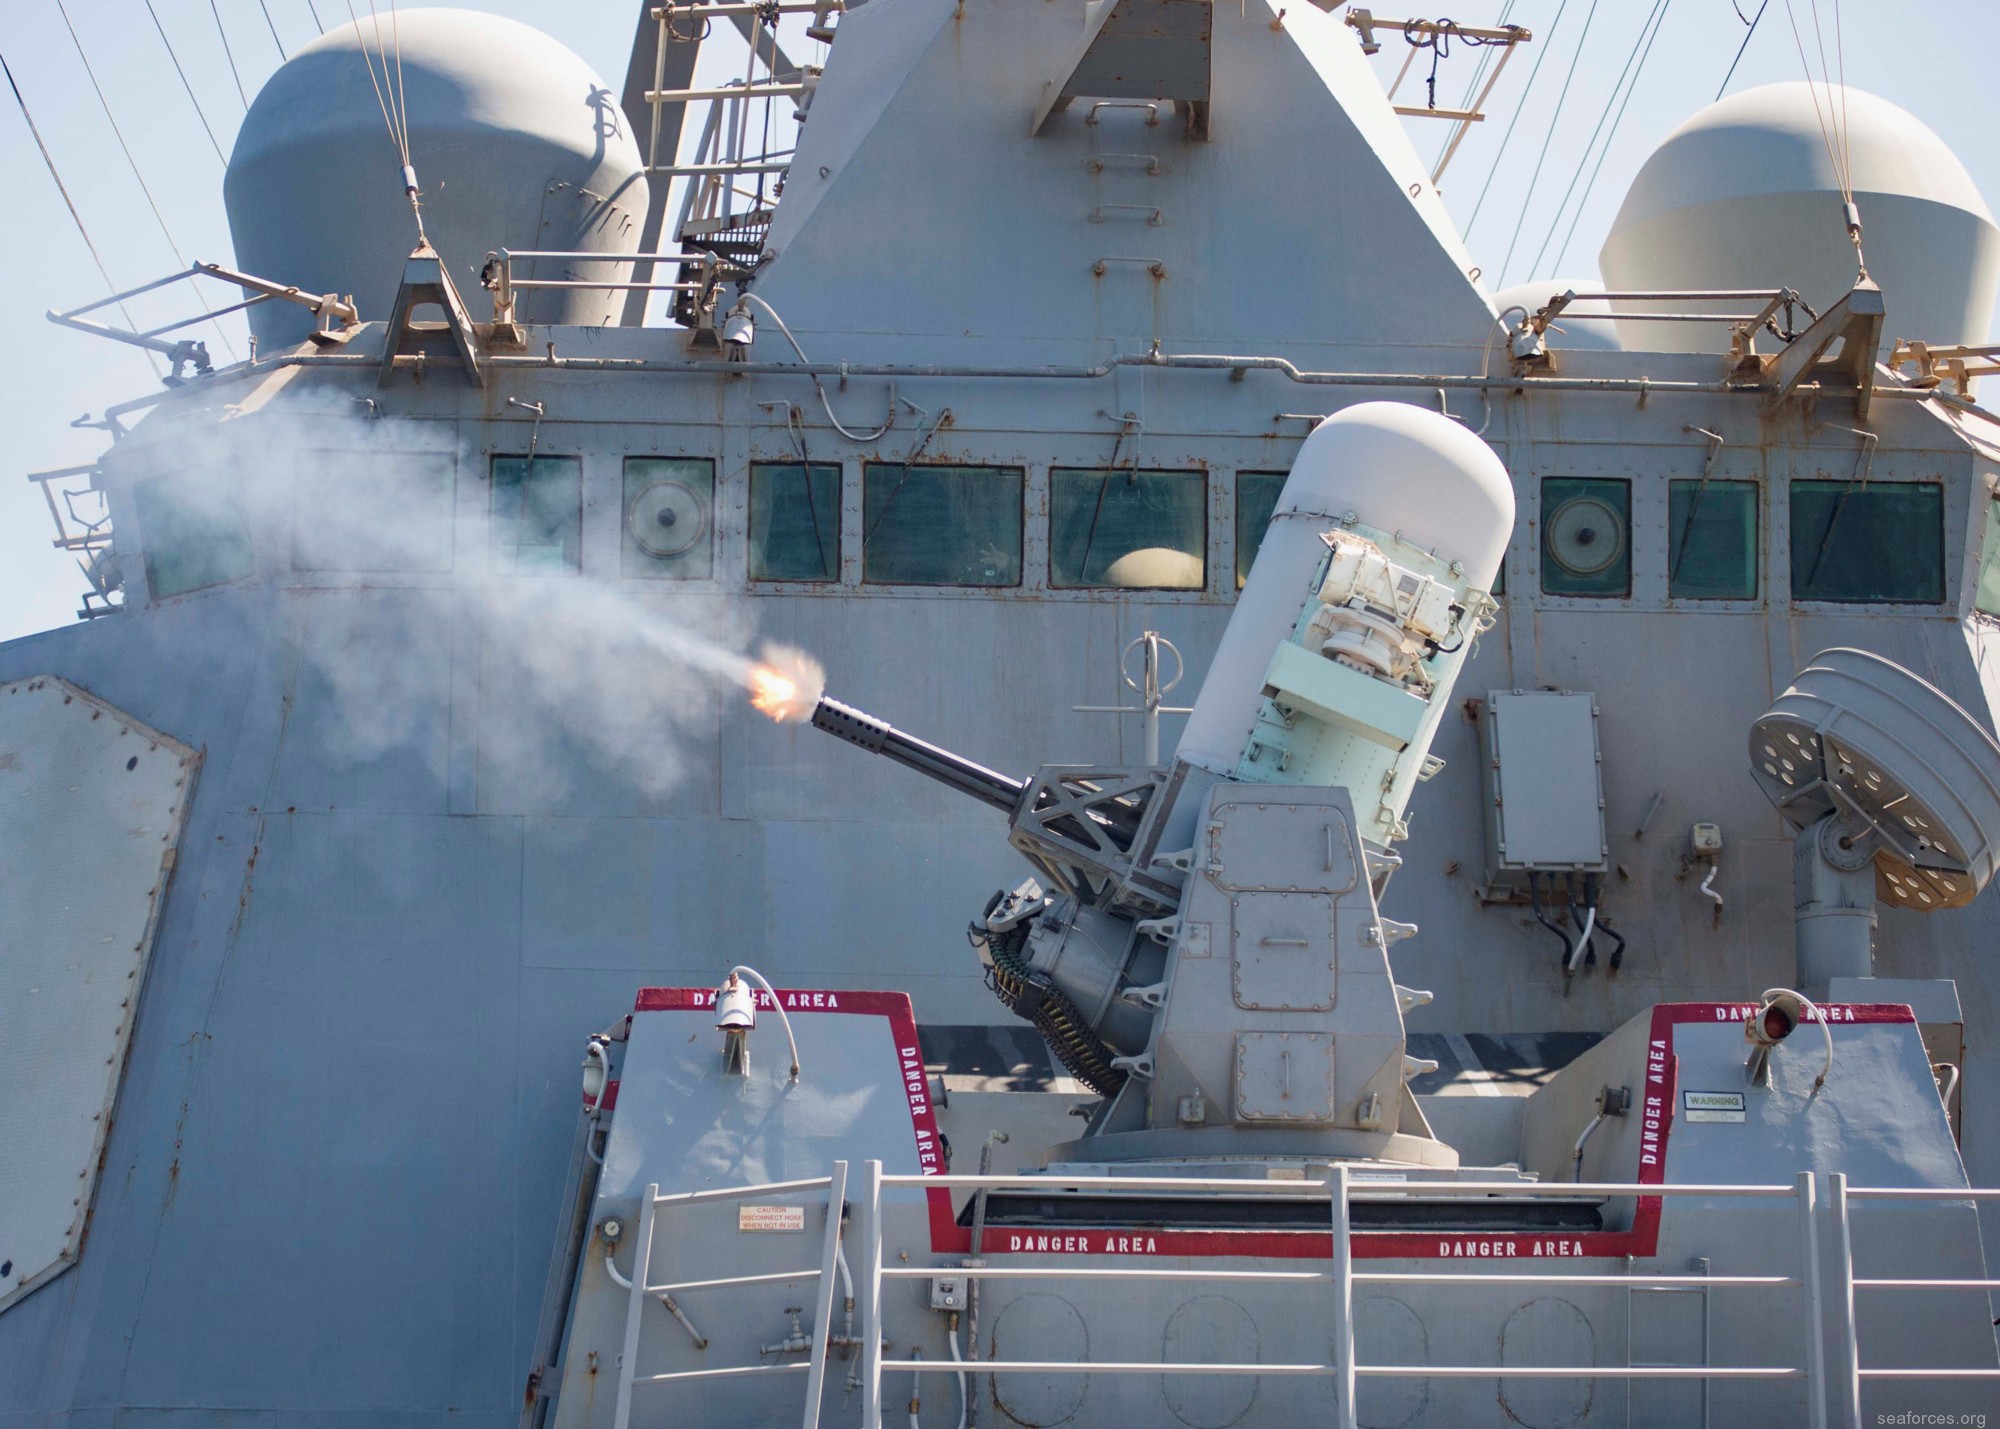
(1713,1106)
(770,1218)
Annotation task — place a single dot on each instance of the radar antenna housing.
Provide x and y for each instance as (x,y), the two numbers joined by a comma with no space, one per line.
(1895,793)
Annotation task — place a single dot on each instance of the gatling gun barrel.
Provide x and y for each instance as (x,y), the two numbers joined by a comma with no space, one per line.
(880,737)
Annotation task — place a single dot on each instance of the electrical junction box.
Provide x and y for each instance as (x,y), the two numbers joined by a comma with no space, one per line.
(948,1292)
(1544,787)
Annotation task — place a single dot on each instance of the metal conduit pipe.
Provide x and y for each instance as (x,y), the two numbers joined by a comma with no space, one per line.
(1649,386)
(1395,380)
(972,1287)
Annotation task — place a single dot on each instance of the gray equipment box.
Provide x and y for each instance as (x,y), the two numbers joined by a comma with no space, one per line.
(1544,786)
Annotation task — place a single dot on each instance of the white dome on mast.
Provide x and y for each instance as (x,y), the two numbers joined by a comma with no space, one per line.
(516,141)
(1745,195)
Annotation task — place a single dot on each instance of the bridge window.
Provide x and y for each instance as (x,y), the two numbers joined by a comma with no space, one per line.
(941,525)
(1987,601)
(669,531)
(1130,530)
(1586,536)
(794,522)
(537,513)
(1256,498)
(1712,540)
(194,533)
(1852,542)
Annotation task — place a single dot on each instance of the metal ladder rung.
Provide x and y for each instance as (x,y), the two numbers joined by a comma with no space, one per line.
(1700,1266)
(641,1291)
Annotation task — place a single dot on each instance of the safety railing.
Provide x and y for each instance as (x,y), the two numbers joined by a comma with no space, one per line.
(1527,337)
(1840,1197)
(497,275)
(85,534)
(334,316)
(639,1288)
(729,186)
(1340,1191)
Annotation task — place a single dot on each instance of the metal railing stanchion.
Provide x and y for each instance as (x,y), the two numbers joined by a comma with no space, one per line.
(871,1302)
(642,1258)
(1843,1301)
(822,1325)
(1343,1300)
(1815,1319)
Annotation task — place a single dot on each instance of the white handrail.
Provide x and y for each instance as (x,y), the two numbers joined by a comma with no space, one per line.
(1423,1371)
(1358,1189)
(732,1281)
(1340,1190)
(738,1193)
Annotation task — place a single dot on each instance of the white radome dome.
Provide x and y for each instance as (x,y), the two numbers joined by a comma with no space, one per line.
(1744,195)
(516,142)
(1397,467)
(1587,328)
(1155,568)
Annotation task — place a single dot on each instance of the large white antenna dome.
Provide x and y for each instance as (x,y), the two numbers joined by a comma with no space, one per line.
(1745,195)
(517,143)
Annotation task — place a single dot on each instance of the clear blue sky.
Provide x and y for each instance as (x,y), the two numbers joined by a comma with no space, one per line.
(1933,60)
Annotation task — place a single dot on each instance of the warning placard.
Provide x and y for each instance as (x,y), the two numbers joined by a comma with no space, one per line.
(770,1218)
(1712,1106)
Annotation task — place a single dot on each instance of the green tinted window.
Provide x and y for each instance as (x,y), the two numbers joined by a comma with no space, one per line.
(1712,540)
(1987,601)
(794,522)
(1136,530)
(669,534)
(1586,536)
(1256,498)
(1867,543)
(537,513)
(941,525)
(194,533)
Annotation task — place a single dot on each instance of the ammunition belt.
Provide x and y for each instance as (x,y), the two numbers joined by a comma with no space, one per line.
(1029,994)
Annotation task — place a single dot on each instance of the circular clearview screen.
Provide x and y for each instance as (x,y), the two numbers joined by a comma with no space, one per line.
(667,519)
(1585,535)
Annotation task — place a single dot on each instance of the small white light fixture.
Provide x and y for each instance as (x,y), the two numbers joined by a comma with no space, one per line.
(736,1018)
(1777,1015)
(596,1073)
(739,329)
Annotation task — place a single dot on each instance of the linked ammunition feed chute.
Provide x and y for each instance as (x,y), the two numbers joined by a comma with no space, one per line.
(1202,943)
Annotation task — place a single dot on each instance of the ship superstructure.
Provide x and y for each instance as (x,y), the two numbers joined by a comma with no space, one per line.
(994,380)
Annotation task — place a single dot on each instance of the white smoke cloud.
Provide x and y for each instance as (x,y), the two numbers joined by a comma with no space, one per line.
(628,673)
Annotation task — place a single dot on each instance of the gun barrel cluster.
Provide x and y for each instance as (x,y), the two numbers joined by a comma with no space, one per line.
(880,737)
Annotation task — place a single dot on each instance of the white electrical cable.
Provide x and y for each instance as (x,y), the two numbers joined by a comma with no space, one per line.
(846,1281)
(818,387)
(916,1375)
(611,1269)
(951,1338)
(1706,884)
(751,973)
(1818,1016)
(1577,1159)
(1589,922)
